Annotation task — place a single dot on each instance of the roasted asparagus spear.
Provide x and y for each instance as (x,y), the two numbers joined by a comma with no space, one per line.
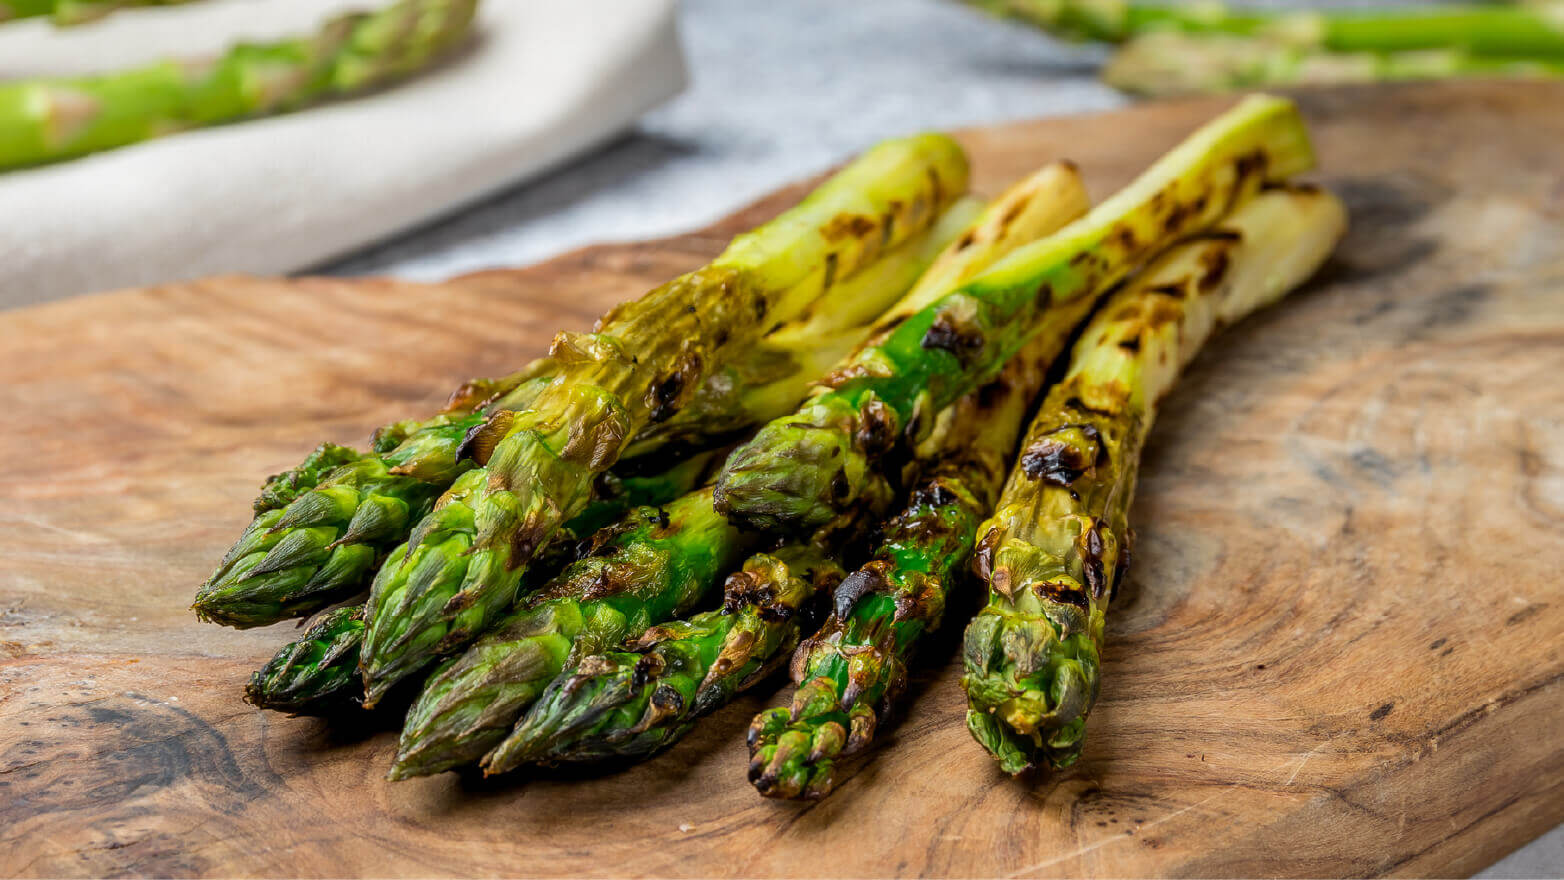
(1051,553)
(803,469)
(851,672)
(633,702)
(638,367)
(654,565)
(318,674)
(345,509)
(44,120)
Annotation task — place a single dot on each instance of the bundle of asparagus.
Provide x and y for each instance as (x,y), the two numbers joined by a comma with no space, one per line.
(1168,48)
(46,120)
(574,563)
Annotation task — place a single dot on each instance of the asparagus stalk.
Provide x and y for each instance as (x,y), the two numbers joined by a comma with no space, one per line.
(318,674)
(654,565)
(1051,553)
(65,13)
(803,469)
(1170,63)
(771,378)
(639,367)
(851,672)
(45,120)
(636,702)
(322,527)
(329,553)
(1533,31)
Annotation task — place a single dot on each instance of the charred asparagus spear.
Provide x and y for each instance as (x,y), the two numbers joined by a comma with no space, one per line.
(639,367)
(321,528)
(1170,63)
(1533,31)
(44,120)
(636,702)
(72,12)
(654,565)
(1051,554)
(851,672)
(803,469)
(318,674)
(345,509)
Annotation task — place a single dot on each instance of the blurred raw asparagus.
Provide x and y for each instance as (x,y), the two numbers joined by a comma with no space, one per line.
(72,12)
(1171,63)
(803,469)
(652,566)
(1495,30)
(336,514)
(640,366)
(1053,550)
(44,120)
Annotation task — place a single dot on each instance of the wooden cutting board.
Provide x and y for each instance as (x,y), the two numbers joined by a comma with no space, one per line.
(1340,650)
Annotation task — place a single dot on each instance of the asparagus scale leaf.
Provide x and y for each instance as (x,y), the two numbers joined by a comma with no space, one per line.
(636,702)
(805,468)
(640,366)
(655,564)
(46,120)
(1051,553)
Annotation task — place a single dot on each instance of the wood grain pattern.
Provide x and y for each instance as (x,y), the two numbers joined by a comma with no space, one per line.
(1340,650)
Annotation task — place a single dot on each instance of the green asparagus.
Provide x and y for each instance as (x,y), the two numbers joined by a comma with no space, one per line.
(640,366)
(851,672)
(318,674)
(45,120)
(1170,63)
(636,702)
(1051,553)
(1534,31)
(337,491)
(65,13)
(803,469)
(653,565)
(322,527)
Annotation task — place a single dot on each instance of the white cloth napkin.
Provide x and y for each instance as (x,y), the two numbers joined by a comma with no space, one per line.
(544,81)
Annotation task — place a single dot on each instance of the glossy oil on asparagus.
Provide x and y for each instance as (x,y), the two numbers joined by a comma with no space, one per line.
(336,514)
(633,702)
(805,468)
(1051,553)
(639,366)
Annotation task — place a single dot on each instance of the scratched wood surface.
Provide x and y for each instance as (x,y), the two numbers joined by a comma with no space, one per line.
(1339,653)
